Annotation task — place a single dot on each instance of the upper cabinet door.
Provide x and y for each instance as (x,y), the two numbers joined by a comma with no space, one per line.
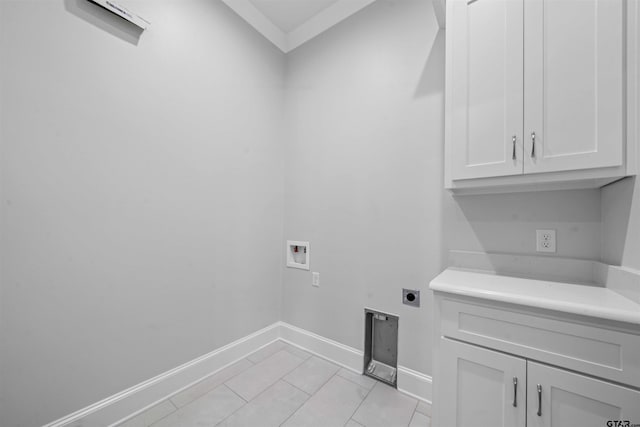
(486,88)
(574,84)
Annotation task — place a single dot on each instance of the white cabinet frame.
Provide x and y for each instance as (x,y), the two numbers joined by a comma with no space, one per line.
(579,169)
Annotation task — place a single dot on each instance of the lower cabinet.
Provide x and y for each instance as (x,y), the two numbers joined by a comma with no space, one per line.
(556,397)
(479,387)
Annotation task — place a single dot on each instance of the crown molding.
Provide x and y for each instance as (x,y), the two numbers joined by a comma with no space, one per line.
(286,42)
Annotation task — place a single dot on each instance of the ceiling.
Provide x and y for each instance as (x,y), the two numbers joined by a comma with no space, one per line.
(290,14)
(290,23)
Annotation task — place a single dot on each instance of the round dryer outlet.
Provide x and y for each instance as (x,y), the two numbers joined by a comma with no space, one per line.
(411,297)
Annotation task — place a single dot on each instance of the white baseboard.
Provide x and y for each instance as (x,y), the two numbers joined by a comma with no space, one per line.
(340,354)
(148,393)
(136,399)
(413,383)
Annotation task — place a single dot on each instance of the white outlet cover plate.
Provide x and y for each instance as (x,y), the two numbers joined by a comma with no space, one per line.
(315,279)
(546,241)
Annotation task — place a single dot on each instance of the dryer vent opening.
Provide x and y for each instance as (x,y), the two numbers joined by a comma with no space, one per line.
(381,346)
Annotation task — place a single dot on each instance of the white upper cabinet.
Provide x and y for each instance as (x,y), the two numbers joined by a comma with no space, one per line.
(487,37)
(574,84)
(539,93)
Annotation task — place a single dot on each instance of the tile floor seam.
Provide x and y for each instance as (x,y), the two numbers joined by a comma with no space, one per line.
(160,419)
(233,391)
(361,402)
(310,396)
(294,412)
(205,378)
(282,378)
(194,401)
(423,412)
(384,385)
(415,408)
(141,414)
(368,387)
(231,414)
(265,391)
(289,347)
(277,379)
(414,412)
(412,416)
(298,388)
(323,384)
(353,382)
(313,354)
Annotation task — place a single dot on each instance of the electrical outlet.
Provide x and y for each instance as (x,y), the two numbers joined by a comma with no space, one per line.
(545,240)
(315,279)
(411,297)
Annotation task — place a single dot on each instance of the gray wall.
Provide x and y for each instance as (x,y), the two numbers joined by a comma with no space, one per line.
(506,223)
(142,190)
(364,169)
(142,185)
(621,223)
(364,108)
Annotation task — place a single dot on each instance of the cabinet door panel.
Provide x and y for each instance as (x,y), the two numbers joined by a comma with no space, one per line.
(570,399)
(476,387)
(487,87)
(574,84)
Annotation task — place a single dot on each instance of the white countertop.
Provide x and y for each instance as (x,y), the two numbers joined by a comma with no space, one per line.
(591,301)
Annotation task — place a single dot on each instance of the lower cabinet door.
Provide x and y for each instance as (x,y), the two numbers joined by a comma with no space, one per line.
(556,398)
(480,388)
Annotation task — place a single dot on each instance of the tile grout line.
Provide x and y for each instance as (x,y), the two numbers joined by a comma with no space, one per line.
(231,414)
(288,347)
(322,385)
(353,382)
(160,419)
(310,395)
(353,421)
(207,377)
(201,396)
(361,402)
(296,387)
(412,416)
(268,356)
(281,378)
(234,392)
(294,412)
(415,408)
(175,408)
(365,398)
(261,393)
(420,412)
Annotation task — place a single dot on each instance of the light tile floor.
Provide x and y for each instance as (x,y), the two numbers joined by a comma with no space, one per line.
(281,385)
